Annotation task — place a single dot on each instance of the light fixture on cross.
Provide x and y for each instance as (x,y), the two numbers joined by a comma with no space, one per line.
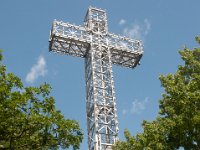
(100,49)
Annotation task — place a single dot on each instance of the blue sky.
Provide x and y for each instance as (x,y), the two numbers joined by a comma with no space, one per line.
(164,26)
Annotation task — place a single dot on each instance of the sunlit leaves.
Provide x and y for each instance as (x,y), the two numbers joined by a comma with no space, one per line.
(29,119)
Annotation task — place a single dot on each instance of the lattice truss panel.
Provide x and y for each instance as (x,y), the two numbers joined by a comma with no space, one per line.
(100,49)
(101,106)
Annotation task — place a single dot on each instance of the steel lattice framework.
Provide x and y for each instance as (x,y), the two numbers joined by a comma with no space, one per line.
(100,49)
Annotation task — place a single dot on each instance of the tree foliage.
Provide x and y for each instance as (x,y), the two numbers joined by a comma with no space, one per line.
(29,119)
(178,123)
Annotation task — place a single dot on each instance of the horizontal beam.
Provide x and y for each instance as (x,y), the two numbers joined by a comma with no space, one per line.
(69,32)
(68,46)
(75,40)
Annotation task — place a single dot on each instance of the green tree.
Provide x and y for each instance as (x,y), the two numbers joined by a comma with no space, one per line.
(29,119)
(178,123)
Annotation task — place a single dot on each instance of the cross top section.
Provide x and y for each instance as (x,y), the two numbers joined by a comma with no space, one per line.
(96,21)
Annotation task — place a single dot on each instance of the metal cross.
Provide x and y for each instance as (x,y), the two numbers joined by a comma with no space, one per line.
(100,49)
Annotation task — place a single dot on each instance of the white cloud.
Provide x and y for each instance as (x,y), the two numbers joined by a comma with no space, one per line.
(137,106)
(124,111)
(122,22)
(37,70)
(135,31)
(147,26)
(138,30)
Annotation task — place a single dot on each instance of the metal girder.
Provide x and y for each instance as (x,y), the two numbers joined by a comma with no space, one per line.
(75,40)
(101,106)
(100,49)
